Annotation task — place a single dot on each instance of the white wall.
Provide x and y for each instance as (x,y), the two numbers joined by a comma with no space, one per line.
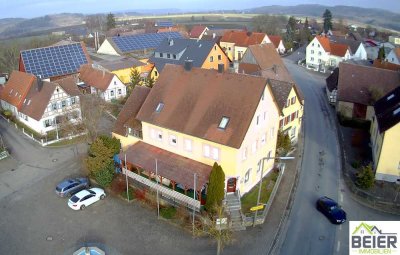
(116,89)
(392,58)
(107,48)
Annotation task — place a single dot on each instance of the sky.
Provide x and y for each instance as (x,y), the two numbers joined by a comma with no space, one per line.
(37,8)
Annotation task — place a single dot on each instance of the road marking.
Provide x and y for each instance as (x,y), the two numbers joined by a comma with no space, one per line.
(340,227)
(338,246)
(341,198)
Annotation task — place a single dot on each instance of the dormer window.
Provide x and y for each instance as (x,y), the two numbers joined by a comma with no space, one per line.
(224,122)
(160,106)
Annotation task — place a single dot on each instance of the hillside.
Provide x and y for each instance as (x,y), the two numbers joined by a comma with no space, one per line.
(373,17)
(10,28)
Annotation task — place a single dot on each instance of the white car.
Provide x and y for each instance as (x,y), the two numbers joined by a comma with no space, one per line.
(85,198)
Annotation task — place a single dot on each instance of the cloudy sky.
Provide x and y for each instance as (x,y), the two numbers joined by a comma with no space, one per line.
(35,8)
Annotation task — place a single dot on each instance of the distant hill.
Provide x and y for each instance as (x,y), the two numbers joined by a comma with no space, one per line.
(10,28)
(369,16)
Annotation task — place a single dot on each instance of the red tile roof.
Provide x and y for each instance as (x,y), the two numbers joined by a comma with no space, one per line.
(275,39)
(95,78)
(243,38)
(339,49)
(17,88)
(197,31)
(195,102)
(325,43)
(169,165)
(385,65)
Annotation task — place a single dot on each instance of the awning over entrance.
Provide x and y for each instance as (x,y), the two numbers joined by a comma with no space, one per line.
(170,165)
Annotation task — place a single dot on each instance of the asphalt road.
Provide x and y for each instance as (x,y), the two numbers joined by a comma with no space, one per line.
(308,231)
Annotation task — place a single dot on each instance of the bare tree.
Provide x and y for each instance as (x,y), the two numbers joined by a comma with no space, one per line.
(92,108)
(9,56)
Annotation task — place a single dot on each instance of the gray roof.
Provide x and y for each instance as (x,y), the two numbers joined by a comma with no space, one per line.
(351,43)
(195,50)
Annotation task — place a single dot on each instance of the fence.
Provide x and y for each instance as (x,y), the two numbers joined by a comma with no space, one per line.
(252,219)
(42,141)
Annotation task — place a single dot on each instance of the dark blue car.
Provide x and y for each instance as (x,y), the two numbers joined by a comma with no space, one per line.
(71,186)
(331,210)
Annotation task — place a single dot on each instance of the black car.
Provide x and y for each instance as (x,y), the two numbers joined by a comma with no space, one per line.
(331,210)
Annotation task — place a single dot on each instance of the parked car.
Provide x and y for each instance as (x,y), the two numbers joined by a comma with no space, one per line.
(331,210)
(86,197)
(71,186)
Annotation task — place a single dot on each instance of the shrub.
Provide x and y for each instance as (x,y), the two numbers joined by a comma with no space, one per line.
(105,175)
(283,143)
(168,212)
(355,164)
(7,113)
(140,194)
(365,177)
(112,143)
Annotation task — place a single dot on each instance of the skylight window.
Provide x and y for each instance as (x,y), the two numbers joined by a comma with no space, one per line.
(160,106)
(397,111)
(224,122)
(389,97)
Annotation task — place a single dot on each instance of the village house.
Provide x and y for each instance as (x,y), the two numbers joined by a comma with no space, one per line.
(41,105)
(101,82)
(189,120)
(385,134)
(278,43)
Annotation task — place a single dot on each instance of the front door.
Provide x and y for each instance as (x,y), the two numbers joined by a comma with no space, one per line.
(231,185)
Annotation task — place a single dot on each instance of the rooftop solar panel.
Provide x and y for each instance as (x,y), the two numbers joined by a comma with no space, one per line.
(164,24)
(131,43)
(54,61)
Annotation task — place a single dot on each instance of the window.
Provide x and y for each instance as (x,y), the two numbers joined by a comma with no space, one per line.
(254,147)
(215,153)
(318,45)
(244,153)
(293,132)
(219,57)
(269,155)
(247,176)
(119,91)
(174,56)
(263,139)
(312,51)
(63,103)
(312,44)
(312,59)
(287,120)
(319,61)
(224,122)
(293,100)
(188,145)
(46,123)
(211,59)
(173,140)
(159,135)
(168,55)
(281,123)
(160,106)
(215,47)
(54,106)
(293,116)
(229,48)
(112,93)
(73,100)
(395,112)
(206,151)
(161,55)
(155,73)
(258,120)
(297,114)
(262,96)
(319,53)
(115,82)
(287,103)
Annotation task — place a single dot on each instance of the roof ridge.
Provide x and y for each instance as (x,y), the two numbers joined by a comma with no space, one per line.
(50,46)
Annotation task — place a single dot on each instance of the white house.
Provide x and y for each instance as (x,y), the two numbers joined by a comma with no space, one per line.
(40,104)
(106,84)
(394,56)
(278,43)
(321,54)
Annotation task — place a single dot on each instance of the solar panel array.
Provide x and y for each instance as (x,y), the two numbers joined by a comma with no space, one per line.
(131,43)
(164,24)
(54,61)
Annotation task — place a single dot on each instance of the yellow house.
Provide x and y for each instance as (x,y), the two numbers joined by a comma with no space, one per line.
(385,136)
(122,67)
(290,102)
(235,43)
(193,117)
(203,53)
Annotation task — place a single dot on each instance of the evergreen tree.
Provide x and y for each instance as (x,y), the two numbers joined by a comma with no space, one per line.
(110,21)
(150,81)
(381,53)
(365,178)
(135,79)
(327,16)
(215,189)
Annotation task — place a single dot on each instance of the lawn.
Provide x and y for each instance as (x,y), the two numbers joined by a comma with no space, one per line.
(75,140)
(250,199)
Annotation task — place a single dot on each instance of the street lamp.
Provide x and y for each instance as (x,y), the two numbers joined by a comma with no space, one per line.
(261,177)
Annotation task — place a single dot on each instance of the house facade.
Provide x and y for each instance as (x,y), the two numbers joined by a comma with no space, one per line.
(44,103)
(201,130)
(385,134)
(278,43)
(103,83)
(235,43)
(321,54)
(394,56)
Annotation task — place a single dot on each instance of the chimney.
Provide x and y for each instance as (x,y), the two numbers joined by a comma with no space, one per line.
(214,35)
(188,65)
(39,83)
(171,42)
(220,68)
